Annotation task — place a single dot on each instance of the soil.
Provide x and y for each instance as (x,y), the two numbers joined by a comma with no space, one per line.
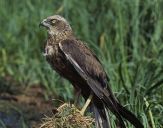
(30,103)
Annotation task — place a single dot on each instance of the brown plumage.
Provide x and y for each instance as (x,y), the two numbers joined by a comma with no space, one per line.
(73,60)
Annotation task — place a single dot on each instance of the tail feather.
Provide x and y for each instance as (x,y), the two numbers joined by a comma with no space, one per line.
(101,116)
(101,120)
(111,104)
(119,111)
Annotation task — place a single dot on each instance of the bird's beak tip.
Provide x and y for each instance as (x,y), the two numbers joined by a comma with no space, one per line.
(44,24)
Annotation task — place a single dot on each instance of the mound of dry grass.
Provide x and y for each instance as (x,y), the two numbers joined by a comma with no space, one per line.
(67,116)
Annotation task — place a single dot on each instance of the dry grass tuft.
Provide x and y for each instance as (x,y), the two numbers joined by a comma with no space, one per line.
(67,116)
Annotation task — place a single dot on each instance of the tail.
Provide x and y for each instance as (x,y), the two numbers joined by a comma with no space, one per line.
(101,120)
(116,108)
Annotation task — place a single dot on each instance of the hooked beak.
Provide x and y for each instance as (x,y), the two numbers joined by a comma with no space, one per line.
(44,23)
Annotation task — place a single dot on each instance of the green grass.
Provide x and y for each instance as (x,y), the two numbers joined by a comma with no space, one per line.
(127,36)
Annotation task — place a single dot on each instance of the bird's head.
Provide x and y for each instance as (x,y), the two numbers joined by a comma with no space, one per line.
(55,25)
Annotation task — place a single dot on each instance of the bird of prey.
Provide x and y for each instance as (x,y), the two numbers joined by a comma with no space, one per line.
(73,60)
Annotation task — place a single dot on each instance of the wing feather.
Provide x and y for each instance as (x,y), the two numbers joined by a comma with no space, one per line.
(84,63)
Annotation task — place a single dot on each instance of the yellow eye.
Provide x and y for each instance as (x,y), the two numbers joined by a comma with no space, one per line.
(53,21)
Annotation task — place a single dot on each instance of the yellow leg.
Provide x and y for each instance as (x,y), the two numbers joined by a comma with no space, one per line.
(86,104)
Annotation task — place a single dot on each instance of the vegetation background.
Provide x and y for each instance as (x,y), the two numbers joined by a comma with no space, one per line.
(127,36)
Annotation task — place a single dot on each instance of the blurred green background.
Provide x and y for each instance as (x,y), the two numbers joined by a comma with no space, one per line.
(126,35)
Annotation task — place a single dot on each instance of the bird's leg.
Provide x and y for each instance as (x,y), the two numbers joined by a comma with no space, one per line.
(77,96)
(86,104)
